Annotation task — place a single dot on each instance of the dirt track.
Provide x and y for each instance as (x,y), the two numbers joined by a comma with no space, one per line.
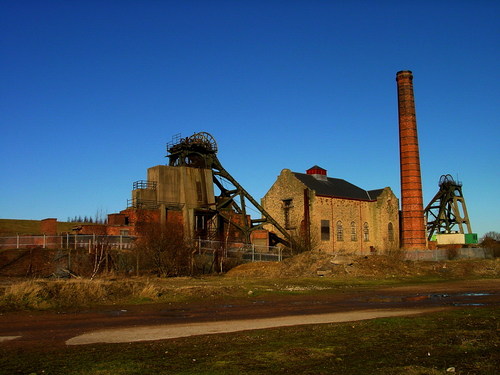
(163,332)
(50,329)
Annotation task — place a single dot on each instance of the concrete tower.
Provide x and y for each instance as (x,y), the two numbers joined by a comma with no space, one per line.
(412,210)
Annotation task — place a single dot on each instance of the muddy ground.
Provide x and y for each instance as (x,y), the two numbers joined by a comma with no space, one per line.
(473,283)
(49,329)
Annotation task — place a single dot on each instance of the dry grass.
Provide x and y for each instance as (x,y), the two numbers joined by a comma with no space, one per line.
(313,264)
(298,274)
(42,294)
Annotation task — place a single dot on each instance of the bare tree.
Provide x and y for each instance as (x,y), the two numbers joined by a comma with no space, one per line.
(164,248)
(491,240)
(100,257)
(491,235)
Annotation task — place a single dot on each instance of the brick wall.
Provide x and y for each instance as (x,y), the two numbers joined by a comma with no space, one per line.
(48,226)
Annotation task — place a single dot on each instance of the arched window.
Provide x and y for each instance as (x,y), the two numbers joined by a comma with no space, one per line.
(390,231)
(340,231)
(354,235)
(366,232)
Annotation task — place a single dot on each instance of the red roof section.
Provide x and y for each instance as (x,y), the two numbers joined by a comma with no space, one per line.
(316,170)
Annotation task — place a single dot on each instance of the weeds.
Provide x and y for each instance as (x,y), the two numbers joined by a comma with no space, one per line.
(74,294)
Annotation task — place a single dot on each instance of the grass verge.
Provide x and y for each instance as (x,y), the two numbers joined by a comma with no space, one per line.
(464,341)
(75,294)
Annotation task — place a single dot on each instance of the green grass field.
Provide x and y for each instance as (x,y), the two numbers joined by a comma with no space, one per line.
(463,341)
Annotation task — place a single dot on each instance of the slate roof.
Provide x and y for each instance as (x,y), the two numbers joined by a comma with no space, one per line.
(337,187)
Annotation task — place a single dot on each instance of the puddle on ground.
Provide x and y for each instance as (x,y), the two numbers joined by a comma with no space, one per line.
(430,297)
(116,312)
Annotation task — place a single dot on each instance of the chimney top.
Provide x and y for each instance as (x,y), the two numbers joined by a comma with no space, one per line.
(404,74)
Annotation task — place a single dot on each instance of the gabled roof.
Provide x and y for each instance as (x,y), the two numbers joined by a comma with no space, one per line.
(336,187)
(375,193)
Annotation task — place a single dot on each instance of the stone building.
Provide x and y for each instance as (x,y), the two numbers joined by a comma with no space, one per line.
(333,214)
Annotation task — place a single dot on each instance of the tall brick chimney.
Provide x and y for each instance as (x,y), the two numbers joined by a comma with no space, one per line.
(412,208)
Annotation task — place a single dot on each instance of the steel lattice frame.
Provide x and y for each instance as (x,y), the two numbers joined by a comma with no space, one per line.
(447,209)
(199,151)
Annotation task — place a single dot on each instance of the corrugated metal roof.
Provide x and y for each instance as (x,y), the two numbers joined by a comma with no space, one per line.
(337,187)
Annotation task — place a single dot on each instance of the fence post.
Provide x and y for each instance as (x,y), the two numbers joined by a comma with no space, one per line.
(121,242)
(106,259)
(69,258)
(75,241)
(44,241)
(17,246)
(136,262)
(253,253)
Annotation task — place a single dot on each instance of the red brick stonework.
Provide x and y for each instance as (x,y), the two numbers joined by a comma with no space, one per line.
(48,226)
(412,212)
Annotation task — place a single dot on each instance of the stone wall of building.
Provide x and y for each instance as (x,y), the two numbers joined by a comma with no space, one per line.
(286,194)
(355,226)
(335,224)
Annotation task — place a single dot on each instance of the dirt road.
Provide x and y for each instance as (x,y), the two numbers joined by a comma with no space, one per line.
(50,329)
(163,332)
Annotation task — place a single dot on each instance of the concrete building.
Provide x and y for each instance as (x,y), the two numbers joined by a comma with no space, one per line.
(180,194)
(333,214)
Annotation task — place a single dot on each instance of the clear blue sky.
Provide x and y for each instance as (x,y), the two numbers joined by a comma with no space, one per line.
(93,90)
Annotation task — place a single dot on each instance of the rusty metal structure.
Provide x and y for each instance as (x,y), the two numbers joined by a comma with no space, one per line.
(447,212)
(200,151)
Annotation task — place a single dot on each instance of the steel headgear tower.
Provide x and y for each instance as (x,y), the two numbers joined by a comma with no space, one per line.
(412,211)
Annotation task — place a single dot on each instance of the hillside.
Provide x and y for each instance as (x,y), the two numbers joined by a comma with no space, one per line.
(314,264)
(13,227)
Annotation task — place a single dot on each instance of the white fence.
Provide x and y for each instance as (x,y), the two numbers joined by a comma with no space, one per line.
(247,252)
(448,254)
(69,241)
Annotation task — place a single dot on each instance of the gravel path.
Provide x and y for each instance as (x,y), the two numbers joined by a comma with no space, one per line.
(163,332)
